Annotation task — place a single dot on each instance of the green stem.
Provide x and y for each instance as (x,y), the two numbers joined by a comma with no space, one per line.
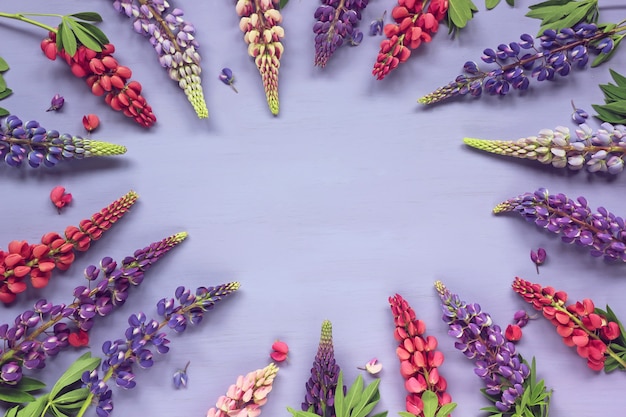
(22,17)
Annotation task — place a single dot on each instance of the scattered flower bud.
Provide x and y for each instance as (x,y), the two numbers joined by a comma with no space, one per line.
(538,257)
(373,367)
(59,197)
(56,103)
(91,122)
(521,318)
(78,339)
(356,38)
(180,377)
(279,351)
(228,78)
(513,333)
(376,26)
(579,116)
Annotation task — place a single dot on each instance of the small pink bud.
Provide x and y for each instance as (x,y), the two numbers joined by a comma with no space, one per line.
(280,350)
(513,333)
(59,197)
(91,122)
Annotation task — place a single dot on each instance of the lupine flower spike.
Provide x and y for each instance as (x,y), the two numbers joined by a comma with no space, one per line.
(29,142)
(506,375)
(39,260)
(336,22)
(173,40)
(555,55)
(321,386)
(597,335)
(260,21)
(47,328)
(601,231)
(419,361)
(600,151)
(145,337)
(246,396)
(415,22)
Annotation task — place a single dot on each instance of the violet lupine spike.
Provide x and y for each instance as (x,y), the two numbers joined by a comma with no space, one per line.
(321,386)
(336,23)
(556,54)
(600,151)
(601,231)
(29,142)
(260,23)
(174,42)
(43,332)
(503,371)
(143,337)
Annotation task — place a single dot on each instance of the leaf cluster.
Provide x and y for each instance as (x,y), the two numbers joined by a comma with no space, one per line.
(75,30)
(614,109)
(66,396)
(459,13)
(358,401)
(490,4)
(431,406)
(559,14)
(535,402)
(618,346)
(4,90)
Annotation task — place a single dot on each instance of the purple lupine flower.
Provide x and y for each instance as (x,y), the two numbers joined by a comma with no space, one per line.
(141,337)
(336,23)
(376,26)
(552,54)
(29,142)
(227,77)
(321,386)
(601,151)
(173,40)
(503,371)
(56,103)
(180,377)
(579,116)
(44,331)
(601,231)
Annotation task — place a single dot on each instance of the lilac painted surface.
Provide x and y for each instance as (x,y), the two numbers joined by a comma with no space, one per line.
(352,194)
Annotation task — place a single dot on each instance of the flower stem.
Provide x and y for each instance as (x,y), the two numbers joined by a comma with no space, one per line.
(22,17)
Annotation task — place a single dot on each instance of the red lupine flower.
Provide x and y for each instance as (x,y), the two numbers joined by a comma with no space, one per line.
(419,359)
(279,351)
(513,333)
(580,324)
(59,197)
(91,122)
(79,338)
(416,22)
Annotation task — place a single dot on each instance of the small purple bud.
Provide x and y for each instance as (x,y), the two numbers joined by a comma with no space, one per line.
(376,26)
(356,38)
(227,77)
(180,377)
(538,257)
(56,103)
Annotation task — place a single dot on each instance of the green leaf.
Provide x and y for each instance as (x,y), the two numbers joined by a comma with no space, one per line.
(430,403)
(354,394)
(71,397)
(406,414)
(618,106)
(282,4)
(6,93)
(86,38)
(510,2)
(340,408)
(13,395)
(3,65)
(88,16)
(558,14)
(12,412)
(33,409)
(74,372)
(490,4)
(620,80)
(4,112)
(608,116)
(94,31)
(446,409)
(613,93)
(64,32)
(300,413)
(3,83)
(56,412)
(460,12)
(30,384)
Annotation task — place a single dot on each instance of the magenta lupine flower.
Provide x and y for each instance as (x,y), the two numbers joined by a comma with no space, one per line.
(602,231)
(321,386)
(173,40)
(43,331)
(260,23)
(246,396)
(336,24)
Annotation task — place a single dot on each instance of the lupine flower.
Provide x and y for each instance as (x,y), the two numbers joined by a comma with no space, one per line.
(48,328)
(180,377)
(580,324)
(555,55)
(372,367)
(260,21)
(29,142)
(105,76)
(56,103)
(600,151)
(173,39)
(227,77)
(39,260)
(376,26)
(246,396)
(521,318)
(415,22)
(279,351)
(336,22)
(59,197)
(419,358)
(513,333)
(144,337)
(321,386)
(602,231)
(505,374)
(538,257)
(579,116)
(91,122)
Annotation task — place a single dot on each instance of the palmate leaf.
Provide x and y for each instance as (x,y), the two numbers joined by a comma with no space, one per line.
(459,13)
(559,14)
(614,108)
(74,373)
(74,30)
